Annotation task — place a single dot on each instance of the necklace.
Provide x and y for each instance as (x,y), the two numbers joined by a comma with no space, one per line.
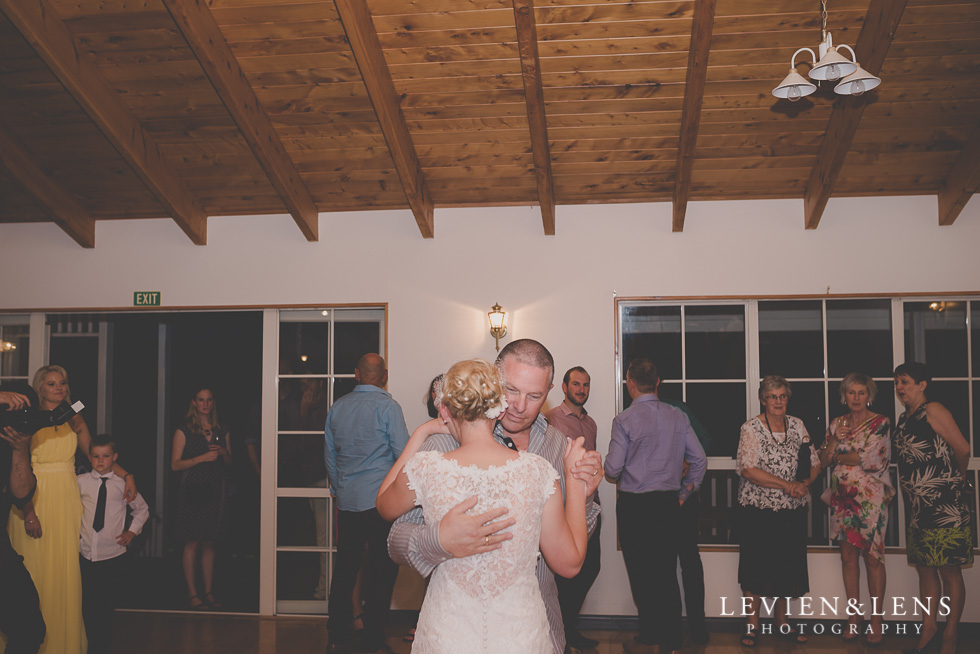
(772,434)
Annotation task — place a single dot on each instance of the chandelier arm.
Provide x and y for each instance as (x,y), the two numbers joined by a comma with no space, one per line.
(792,62)
(854,58)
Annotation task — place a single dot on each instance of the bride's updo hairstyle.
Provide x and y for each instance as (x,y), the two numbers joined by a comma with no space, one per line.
(472,390)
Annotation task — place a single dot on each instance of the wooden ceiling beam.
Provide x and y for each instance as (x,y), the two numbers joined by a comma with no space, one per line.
(962,182)
(40,25)
(196,23)
(527,45)
(697,71)
(363,40)
(67,212)
(872,45)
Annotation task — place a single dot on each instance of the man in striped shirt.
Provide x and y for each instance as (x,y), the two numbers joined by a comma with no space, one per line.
(529,371)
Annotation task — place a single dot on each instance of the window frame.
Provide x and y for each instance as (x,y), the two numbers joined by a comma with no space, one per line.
(328,314)
(753,373)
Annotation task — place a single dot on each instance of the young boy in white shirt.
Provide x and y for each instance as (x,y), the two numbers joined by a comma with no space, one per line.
(104,539)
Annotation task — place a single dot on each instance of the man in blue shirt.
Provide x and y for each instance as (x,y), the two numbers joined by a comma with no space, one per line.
(365,433)
(650,441)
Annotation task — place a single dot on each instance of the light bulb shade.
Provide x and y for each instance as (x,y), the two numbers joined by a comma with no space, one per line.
(791,84)
(832,66)
(496,318)
(858,82)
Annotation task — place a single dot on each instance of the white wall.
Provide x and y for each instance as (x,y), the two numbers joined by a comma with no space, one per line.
(557,289)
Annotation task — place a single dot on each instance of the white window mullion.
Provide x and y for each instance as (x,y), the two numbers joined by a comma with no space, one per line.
(898,341)
(267,481)
(38,344)
(971,374)
(826,364)
(617,359)
(753,353)
(898,356)
(684,353)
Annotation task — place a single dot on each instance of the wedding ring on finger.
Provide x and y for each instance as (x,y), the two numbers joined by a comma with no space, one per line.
(595,472)
(487,538)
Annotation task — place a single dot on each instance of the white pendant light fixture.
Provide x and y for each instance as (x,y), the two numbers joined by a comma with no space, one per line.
(831,66)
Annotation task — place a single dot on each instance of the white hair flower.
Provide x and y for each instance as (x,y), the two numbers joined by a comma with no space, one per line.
(495,412)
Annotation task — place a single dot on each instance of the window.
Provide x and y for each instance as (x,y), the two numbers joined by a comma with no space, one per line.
(712,354)
(700,355)
(14,348)
(318,351)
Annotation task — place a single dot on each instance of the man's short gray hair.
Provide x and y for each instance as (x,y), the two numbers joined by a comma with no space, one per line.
(530,352)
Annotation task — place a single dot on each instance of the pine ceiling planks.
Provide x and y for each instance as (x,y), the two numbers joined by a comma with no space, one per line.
(614,102)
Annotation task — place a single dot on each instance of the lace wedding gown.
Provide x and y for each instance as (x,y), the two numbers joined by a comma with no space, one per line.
(488,602)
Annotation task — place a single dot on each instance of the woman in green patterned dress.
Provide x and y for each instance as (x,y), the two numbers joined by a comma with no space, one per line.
(933,460)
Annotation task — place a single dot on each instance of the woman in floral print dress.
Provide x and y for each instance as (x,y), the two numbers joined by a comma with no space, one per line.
(933,460)
(859,449)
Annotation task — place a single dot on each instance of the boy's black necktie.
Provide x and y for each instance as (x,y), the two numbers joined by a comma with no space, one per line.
(99,521)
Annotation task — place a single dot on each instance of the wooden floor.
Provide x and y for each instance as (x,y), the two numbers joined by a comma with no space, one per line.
(167,633)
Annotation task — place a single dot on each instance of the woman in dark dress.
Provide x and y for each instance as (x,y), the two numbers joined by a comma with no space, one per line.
(933,460)
(201,453)
(773,493)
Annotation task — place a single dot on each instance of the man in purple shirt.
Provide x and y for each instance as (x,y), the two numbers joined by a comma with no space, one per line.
(572,420)
(650,441)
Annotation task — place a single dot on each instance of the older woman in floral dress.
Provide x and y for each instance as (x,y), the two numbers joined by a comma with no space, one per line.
(859,449)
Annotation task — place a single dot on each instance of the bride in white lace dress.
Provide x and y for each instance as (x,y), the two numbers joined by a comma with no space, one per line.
(489,602)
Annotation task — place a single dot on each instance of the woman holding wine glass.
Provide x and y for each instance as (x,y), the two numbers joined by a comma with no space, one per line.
(201,453)
(859,449)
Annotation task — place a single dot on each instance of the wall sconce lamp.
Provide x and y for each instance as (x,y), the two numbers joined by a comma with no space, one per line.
(498,329)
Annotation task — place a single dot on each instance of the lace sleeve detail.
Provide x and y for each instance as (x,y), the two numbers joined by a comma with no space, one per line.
(416,469)
(748,449)
(548,476)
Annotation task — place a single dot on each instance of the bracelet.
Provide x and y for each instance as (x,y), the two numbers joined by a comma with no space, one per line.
(127,476)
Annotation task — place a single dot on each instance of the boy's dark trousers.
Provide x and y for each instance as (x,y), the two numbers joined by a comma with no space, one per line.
(101,587)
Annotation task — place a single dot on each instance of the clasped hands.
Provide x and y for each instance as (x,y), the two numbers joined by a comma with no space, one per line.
(796,489)
(462,534)
(582,464)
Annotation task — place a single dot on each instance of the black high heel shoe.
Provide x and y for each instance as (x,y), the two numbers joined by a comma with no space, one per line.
(930,644)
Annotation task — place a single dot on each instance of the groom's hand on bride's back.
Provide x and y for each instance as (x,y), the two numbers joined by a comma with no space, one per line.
(464,534)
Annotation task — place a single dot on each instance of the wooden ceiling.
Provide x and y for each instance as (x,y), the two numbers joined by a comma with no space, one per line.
(153,108)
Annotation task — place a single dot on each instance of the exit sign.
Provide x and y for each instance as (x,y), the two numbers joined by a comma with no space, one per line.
(146,298)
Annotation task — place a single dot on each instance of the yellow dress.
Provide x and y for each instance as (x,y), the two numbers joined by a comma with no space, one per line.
(52,559)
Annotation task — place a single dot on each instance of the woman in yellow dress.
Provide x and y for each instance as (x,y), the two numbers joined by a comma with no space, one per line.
(51,551)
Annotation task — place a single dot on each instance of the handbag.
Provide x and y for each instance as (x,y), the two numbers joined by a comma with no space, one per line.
(803,461)
(827,495)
